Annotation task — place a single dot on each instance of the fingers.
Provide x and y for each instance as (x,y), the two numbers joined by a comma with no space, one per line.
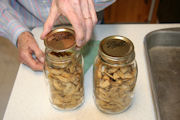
(27,47)
(84,25)
(88,19)
(80,13)
(92,11)
(34,63)
(85,9)
(38,53)
(26,58)
(53,15)
(89,28)
(74,14)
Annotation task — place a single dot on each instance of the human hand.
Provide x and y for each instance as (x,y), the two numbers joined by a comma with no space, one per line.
(27,47)
(80,13)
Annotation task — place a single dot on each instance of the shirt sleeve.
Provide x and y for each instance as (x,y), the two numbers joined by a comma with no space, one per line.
(11,25)
(102,4)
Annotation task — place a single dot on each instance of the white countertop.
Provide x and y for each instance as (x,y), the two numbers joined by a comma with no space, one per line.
(29,98)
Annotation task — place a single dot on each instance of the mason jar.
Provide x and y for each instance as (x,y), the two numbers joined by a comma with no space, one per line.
(63,69)
(115,73)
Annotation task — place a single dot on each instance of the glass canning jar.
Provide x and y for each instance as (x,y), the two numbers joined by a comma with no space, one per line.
(63,69)
(115,74)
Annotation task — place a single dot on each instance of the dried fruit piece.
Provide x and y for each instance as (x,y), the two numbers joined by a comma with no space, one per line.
(69,89)
(105,77)
(55,71)
(57,85)
(65,81)
(127,76)
(113,86)
(72,69)
(104,84)
(124,69)
(61,78)
(116,76)
(112,70)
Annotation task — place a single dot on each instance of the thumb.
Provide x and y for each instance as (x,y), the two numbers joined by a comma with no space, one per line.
(53,15)
(38,53)
(47,28)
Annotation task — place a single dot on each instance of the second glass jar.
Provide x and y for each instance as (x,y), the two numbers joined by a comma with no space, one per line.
(115,73)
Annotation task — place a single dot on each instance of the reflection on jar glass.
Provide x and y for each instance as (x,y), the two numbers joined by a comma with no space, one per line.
(115,73)
(63,69)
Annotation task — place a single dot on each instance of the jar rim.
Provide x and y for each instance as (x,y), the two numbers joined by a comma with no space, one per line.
(116,50)
(61,29)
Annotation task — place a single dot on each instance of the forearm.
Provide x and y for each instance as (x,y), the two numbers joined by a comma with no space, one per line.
(10,24)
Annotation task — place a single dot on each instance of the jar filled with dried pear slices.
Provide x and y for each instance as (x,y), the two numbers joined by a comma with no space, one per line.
(63,69)
(115,73)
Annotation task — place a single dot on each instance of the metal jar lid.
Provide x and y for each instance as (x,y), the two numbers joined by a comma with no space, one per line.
(60,39)
(116,50)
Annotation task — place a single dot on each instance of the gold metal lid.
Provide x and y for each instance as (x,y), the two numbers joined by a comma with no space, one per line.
(60,39)
(117,50)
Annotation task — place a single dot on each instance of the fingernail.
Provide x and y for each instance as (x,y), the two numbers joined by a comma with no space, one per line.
(80,43)
(42,59)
